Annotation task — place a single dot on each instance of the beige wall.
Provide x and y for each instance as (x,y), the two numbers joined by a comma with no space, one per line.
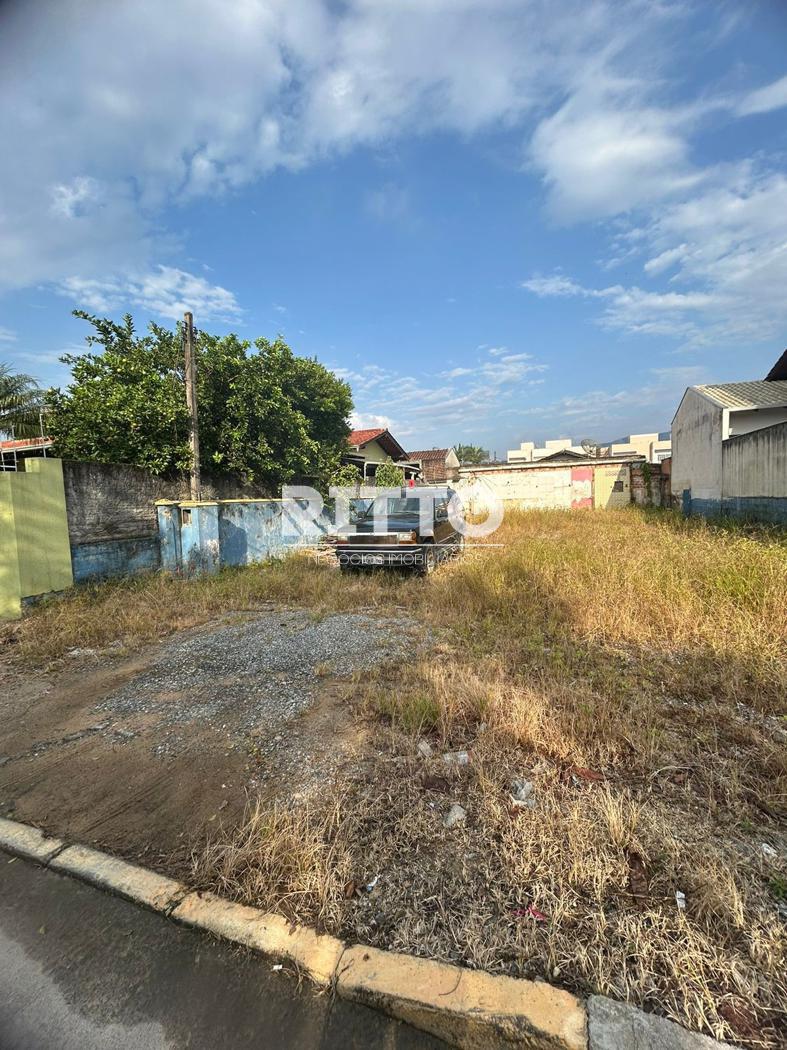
(647,445)
(561,486)
(373,453)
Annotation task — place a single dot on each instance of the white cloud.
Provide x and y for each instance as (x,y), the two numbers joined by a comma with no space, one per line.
(603,154)
(556,285)
(369,421)
(765,99)
(726,246)
(164,292)
(194,102)
(7,335)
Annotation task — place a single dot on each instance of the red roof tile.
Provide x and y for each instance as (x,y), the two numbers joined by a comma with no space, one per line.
(361,437)
(430,454)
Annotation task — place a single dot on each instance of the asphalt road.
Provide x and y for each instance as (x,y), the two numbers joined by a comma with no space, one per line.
(82,970)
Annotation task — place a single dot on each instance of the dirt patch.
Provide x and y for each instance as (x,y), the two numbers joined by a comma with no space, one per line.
(142,755)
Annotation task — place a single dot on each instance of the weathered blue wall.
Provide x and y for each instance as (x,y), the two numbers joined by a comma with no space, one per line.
(106,558)
(202,537)
(768,509)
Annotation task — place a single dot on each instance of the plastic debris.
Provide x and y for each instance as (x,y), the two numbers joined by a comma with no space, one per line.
(277,966)
(424,748)
(458,758)
(680,900)
(768,851)
(370,885)
(455,815)
(579,773)
(530,912)
(522,794)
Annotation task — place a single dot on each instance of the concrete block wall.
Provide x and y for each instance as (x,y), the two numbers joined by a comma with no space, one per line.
(650,485)
(559,486)
(202,537)
(112,519)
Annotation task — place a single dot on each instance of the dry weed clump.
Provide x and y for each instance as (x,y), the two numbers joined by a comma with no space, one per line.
(293,860)
(580,889)
(644,649)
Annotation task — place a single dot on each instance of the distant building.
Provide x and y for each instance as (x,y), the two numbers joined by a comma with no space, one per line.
(654,447)
(14,450)
(437,464)
(368,448)
(529,452)
(729,451)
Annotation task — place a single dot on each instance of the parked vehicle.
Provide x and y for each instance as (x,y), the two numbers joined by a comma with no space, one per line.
(406,542)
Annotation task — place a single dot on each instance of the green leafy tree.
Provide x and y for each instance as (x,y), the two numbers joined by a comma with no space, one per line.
(20,402)
(472,454)
(265,415)
(346,474)
(388,476)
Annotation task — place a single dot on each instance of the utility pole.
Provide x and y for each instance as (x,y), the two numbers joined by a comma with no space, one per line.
(191,401)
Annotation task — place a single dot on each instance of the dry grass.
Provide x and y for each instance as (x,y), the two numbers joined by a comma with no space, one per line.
(645,648)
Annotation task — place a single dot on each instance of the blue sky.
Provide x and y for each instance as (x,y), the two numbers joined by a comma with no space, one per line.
(500,220)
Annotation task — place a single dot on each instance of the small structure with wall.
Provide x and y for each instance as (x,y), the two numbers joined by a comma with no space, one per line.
(35,556)
(437,464)
(730,450)
(567,482)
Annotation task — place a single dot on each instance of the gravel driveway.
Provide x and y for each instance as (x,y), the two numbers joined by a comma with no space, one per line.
(139,752)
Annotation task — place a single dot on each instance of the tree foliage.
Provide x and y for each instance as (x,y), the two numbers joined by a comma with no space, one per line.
(265,415)
(388,476)
(472,454)
(20,402)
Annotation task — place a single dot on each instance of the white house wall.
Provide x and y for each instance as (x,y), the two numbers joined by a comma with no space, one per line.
(756,419)
(696,449)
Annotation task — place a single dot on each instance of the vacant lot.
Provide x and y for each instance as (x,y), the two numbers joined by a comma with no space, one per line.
(623,676)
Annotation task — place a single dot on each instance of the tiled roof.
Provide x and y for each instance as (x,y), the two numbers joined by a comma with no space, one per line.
(437,455)
(25,443)
(755,394)
(361,437)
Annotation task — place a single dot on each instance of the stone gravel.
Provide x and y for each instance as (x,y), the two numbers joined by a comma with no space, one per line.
(258,675)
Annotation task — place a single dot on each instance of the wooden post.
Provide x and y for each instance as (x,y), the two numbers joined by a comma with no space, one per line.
(195,484)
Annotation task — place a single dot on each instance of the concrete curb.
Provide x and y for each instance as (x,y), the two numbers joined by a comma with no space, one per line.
(469,1009)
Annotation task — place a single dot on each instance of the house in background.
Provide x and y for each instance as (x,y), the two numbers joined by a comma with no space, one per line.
(437,464)
(529,452)
(729,449)
(653,447)
(368,448)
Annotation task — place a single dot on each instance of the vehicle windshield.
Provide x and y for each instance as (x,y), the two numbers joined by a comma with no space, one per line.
(364,509)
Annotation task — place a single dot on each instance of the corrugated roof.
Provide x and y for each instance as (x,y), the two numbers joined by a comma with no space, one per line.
(759,393)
